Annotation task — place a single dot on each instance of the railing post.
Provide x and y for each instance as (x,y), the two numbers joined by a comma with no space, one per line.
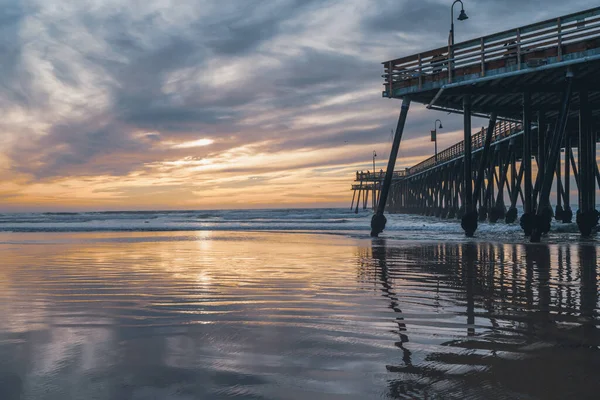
(482,57)
(559,56)
(485,157)
(390,80)
(518,48)
(420,71)
(450,57)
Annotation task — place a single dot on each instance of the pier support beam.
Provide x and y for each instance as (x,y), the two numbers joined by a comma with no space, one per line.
(539,224)
(483,165)
(587,217)
(541,158)
(544,207)
(542,149)
(499,210)
(512,214)
(527,217)
(378,221)
(469,219)
(567,216)
(559,212)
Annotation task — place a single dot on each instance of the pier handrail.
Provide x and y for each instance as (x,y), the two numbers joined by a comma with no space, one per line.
(502,130)
(377,176)
(511,48)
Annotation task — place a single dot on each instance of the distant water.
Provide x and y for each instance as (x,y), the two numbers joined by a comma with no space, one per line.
(274,315)
(333,220)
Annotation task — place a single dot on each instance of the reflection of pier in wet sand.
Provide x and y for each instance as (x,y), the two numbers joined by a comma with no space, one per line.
(529,318)
(176,315)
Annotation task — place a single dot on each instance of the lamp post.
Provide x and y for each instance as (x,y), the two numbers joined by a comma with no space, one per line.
(374,155)
(461,17)
(434,135)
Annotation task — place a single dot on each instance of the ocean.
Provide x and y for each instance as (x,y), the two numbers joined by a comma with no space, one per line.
(292,304)
(332,221)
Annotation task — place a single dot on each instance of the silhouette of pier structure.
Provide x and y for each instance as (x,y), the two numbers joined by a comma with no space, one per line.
(539,87)
(511,295)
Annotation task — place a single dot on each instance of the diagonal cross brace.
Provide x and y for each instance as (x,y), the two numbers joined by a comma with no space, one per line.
(484,157)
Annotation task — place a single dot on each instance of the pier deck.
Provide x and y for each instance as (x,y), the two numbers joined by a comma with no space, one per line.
(496,69)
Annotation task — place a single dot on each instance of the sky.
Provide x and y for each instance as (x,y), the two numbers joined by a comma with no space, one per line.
(202,104)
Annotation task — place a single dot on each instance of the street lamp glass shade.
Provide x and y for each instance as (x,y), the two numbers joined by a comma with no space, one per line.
(441,127)
(463,15)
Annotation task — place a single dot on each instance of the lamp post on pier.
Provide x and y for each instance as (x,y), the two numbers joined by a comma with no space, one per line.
(374,155)
(434,135)
(461,17)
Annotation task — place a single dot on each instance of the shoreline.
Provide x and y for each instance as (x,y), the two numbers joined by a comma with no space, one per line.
(187,234)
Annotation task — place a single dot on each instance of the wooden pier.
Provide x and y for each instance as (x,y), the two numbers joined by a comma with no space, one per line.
(539,87)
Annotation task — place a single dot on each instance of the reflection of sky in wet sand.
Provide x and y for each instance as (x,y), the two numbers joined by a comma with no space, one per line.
(192,315)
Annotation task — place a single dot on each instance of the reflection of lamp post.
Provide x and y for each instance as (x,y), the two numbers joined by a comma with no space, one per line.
(374,180)
(434,135)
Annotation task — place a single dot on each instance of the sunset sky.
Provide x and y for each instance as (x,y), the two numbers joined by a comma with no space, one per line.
(156,104)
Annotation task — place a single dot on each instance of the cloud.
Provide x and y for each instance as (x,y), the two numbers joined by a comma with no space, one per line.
(14,81)
(107,91)
(80,149)
(194,143)
(409,17)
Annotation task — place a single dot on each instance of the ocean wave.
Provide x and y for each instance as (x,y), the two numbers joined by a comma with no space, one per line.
(306,220)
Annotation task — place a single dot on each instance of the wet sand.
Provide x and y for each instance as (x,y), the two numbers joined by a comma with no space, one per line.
(191,315)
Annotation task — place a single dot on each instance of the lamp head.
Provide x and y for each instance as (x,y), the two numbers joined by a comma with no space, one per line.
(463,15)
(441,127)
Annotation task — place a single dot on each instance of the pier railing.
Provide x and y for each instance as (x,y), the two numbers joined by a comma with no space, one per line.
(377,176)
(502,130)
(529,46)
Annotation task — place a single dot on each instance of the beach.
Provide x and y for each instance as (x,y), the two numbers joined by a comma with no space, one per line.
(287,315)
